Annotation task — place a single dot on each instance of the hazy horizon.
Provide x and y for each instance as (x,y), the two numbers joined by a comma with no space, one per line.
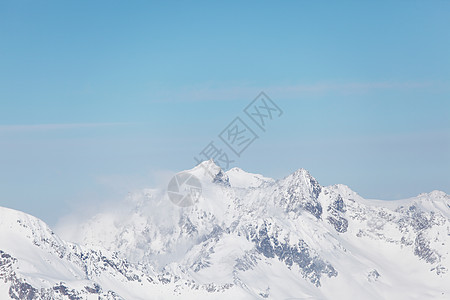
(102,99)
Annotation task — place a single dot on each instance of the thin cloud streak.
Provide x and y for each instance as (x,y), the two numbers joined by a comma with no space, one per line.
(61,126)
(220,93)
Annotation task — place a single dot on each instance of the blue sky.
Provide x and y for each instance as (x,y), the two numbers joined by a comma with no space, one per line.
(100,98)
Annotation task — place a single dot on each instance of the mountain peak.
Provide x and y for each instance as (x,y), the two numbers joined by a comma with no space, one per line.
(243,179)
(301,172)
(206,168)
(434,194)
(300,176)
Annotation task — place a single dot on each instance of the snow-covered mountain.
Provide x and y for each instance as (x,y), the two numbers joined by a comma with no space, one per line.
(246,237)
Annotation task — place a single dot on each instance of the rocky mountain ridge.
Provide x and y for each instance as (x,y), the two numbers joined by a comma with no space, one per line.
(247,237)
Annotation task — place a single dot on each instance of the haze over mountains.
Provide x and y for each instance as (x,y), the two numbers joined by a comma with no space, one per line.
(245,237)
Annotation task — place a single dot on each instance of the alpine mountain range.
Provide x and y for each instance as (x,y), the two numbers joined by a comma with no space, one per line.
(245,237)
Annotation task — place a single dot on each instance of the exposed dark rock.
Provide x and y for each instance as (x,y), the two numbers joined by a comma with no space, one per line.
(339,223)
(187,227)
(22,290)
(64,291)
(94,290)
(338,204)
(422,249)
(373,275)
(311,265)
(418,219)
(336,209)
(222,178)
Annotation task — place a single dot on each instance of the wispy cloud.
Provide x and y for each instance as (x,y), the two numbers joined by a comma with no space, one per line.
(60,126)
(350,87)
(206,92)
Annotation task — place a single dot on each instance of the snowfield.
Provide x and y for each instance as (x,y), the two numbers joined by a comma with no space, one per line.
(247,237)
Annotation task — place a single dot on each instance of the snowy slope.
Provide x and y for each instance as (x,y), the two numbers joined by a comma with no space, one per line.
(247,237)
